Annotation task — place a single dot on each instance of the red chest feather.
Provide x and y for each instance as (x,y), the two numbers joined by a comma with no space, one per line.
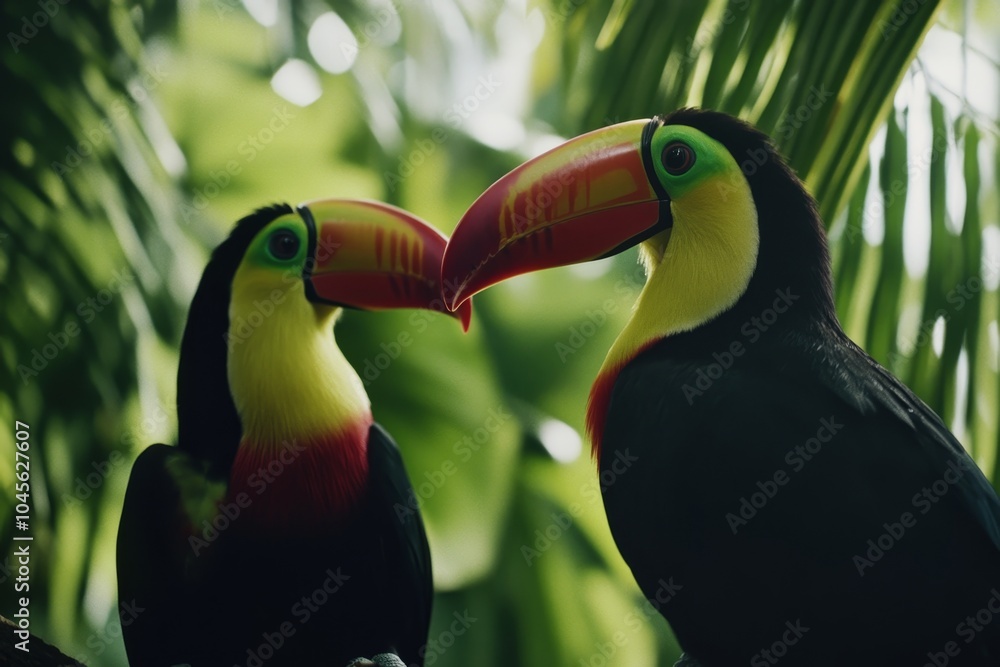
(300,485)
(597,408)
(600,401)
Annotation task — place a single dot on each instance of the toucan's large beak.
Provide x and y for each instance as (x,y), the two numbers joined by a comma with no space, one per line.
(369,255)
(591,197)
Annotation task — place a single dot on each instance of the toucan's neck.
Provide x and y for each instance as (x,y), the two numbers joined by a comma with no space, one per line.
(304,412)
(714,275)
(288,378)
(696,270)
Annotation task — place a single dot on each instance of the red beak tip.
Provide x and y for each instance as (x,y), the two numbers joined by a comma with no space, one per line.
(464,313)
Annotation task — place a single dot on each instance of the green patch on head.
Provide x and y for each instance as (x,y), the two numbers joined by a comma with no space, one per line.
(282,244)
(685,158)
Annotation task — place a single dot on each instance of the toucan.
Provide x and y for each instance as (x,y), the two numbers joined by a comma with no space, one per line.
(777,494)
(268,535)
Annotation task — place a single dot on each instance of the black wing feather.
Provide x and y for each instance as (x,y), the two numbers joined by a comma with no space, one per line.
(932,437)
(154,568)
(408,558)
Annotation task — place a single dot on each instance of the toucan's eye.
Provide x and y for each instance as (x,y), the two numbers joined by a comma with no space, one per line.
(283,244)
(677,158)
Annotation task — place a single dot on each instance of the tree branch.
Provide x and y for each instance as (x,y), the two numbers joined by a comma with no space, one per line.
(39,654)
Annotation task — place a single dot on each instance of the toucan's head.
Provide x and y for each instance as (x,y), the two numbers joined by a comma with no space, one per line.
(725,227)
(340,253)
(722,220)
(258,359)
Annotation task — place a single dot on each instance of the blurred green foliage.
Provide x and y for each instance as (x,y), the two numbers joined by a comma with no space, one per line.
(140,133)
